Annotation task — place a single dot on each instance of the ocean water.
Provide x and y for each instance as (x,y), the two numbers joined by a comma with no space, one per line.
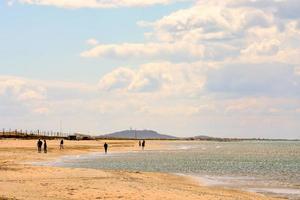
(261,166)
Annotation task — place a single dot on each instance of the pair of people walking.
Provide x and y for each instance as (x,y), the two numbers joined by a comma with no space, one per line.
(142,143)
(40,144)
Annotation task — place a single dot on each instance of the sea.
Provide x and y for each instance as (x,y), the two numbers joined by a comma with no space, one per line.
(268,167)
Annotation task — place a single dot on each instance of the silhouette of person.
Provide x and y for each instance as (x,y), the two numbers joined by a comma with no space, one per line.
(61,146)
(45,146)
(39,145)
(143,144)
(105,147)
(140,144)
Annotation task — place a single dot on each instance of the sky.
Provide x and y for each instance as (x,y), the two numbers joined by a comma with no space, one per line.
(227,68)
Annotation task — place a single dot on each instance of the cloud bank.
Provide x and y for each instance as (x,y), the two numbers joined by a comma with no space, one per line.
(228,60)
(225,68)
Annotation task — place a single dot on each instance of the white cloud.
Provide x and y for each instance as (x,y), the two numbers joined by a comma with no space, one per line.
(92,41)
(117,79)
(214,30)
(36,96)
(220,79)
(246,79)
(31,94)
(164,78)
(158,51)
(41,110)
(21,89)
(75,4)
(209,20)
(266,47)
(272,45)
(287,9)
(155,95)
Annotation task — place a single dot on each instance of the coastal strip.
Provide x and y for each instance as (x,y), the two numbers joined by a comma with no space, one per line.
(23,181)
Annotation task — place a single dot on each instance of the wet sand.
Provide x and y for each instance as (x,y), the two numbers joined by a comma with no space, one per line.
(20,180)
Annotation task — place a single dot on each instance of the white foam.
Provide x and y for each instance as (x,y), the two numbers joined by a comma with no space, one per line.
(210,181)
(226,181)
(290,191)
(222,180)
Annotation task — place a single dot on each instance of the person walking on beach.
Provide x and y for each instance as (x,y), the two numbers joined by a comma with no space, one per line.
(140,144)
(61,146)
(143,144)
(105,147)
(45,146)
(39,145)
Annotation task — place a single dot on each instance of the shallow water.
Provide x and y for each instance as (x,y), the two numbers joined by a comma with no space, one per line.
(261,166)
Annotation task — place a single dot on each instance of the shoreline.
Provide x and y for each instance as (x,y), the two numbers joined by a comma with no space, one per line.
(218,181)
(24,181)
(224,182)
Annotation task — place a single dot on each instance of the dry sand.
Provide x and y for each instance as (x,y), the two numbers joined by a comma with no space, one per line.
(19,180)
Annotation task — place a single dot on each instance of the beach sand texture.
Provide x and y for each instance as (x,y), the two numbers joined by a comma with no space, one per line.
(20,180)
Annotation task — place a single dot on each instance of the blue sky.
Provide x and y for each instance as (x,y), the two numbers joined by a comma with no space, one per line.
(48,40)
(221,68)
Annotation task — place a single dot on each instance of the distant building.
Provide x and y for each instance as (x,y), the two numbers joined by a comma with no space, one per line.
(72,137)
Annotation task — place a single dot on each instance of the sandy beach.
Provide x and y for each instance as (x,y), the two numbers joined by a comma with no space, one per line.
(21,180)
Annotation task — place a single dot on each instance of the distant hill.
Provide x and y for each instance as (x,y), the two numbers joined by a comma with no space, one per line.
(137,134)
